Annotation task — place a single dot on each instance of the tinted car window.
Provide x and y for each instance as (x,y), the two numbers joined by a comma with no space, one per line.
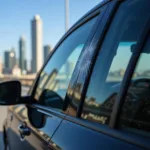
(135,116)
(112,60)
(55,77)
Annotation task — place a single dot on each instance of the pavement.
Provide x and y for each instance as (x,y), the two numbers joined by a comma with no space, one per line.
(3,114)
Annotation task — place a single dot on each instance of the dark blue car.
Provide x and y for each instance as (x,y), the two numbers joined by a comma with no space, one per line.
(93,93)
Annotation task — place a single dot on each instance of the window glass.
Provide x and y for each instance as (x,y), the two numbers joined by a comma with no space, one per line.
(135,116)
(113,59)
(55,77)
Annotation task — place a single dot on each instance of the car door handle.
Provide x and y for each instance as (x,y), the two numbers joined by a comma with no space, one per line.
(24,131)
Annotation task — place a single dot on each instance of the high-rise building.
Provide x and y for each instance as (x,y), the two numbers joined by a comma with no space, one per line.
(6,58)
(10,59)
(47,51)
(1,66)
(37,53)
(22,55)
(25,64)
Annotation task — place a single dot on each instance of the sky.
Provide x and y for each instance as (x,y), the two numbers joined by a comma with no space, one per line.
(16,16)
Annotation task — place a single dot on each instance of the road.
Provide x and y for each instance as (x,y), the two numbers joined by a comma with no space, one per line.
(3,113)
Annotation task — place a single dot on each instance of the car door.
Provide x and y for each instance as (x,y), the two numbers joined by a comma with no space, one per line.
(33,125)
(94,124)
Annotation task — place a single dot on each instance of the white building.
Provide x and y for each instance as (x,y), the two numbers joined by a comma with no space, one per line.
(16,71)
(37,50)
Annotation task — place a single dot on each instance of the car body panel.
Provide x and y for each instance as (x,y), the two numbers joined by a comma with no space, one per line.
(80,137)
(39,138)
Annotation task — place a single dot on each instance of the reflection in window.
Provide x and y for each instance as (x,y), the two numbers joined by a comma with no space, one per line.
(112,60)
(56,75)
(120,62)
(135,116)
(53,86)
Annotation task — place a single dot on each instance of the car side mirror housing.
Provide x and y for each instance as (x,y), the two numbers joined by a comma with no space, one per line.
(10,93)
(51,98)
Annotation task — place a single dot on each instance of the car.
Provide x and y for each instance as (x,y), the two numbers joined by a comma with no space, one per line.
(93,92)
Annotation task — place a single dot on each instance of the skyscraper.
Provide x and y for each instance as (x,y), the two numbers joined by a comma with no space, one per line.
(10,59)
(1,66)
(47,50)
(22,51)
(36,31)
(25,65)
(6,58)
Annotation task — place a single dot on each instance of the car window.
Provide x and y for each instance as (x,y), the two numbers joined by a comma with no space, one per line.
(55,77)
(113,59)
(135,116)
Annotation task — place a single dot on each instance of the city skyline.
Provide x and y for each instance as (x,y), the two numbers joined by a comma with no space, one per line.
(52,14)
(21,62)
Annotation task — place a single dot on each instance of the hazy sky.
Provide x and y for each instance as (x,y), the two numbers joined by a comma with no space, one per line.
(16,16)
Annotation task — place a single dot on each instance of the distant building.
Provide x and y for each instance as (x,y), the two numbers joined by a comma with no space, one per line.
(10,59)
(1,66)
(7,71)
(16,71)
(22,55)
(17,61)
(69,69)
(37,53)
(6,59)
(25,64)
(47,51)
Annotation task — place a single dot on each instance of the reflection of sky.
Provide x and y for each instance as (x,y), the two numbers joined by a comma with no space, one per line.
(143,64)
(73,57)
(120,61)
(122,57)
(61,65)
(63,77)
(75,54)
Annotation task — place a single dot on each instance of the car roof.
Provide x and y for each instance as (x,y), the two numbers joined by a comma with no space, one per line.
(103,2)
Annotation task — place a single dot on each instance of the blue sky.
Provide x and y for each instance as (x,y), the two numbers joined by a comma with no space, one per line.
(16,16)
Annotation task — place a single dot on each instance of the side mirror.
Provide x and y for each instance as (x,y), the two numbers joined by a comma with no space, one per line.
(51,98)
(10,93)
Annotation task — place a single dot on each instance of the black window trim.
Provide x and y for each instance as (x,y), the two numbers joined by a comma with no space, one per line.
(98,37)
(47,110)
(104,25)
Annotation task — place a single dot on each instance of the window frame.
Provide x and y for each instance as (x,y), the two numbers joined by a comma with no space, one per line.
(78,24)
(112,129)
(87,17)
(97,41)
(128,75)
(130,137)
